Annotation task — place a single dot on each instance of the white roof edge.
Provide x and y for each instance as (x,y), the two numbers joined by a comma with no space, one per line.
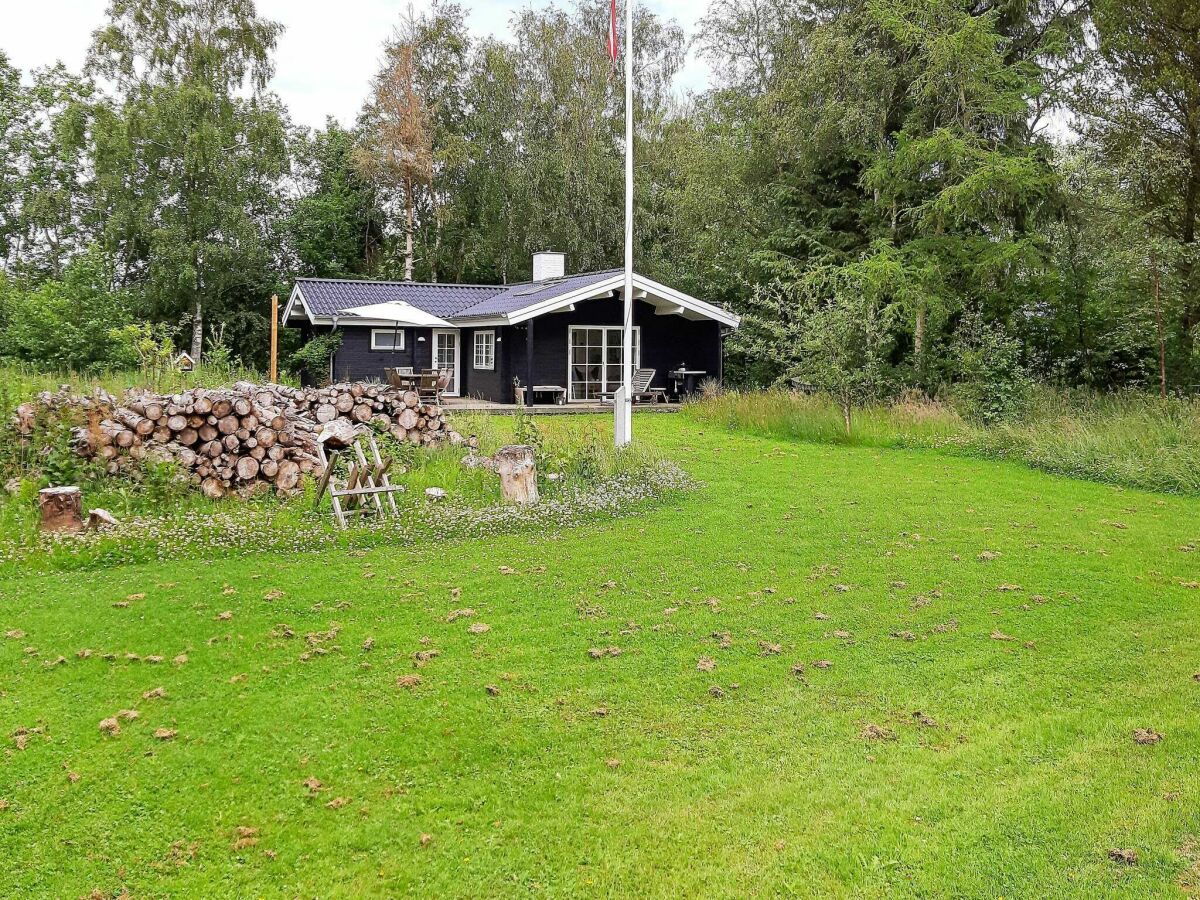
(480,322)
(687,301)
(544,306)
(287,309)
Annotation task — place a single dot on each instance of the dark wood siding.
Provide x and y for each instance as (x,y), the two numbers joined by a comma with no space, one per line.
(488,384)
(356,361)
(667,341)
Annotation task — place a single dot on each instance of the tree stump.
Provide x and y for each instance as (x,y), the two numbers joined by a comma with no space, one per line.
(61,509)
(518,473)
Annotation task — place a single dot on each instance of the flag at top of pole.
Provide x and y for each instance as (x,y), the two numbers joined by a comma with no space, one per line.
(613,47)
(623,401)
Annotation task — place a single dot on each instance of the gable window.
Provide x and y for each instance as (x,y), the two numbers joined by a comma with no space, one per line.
(485,350)
(387,338)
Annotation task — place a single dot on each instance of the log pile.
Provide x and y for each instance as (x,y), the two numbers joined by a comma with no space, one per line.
(247,438)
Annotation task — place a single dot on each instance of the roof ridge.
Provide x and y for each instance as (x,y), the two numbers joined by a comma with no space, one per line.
(453,284)
(459,284)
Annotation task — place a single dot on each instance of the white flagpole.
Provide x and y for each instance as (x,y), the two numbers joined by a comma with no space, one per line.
(623,409)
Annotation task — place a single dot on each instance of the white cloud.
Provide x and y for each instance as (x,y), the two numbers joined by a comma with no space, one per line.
(326,56)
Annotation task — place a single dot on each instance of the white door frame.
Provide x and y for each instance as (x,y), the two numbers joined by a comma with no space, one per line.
(571,329)
(457,357)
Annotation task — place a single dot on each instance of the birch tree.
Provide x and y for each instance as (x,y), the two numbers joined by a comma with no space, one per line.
(189,153)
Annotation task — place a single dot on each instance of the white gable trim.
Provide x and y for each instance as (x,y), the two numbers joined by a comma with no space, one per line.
(642,286)
(688,302)
(296,297)
(550,305)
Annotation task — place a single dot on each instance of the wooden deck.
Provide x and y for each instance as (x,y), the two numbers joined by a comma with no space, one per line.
(472,404)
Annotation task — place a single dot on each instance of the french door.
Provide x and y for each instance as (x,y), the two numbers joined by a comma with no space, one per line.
(594,354)
(445,357)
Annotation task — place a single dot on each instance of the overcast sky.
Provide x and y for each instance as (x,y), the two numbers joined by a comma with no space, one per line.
(326,56)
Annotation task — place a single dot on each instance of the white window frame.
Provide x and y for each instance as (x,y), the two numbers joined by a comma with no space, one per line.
(391,331)
(489,347)
(637,361)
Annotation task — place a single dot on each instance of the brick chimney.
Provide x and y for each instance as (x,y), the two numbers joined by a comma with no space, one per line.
(547,265)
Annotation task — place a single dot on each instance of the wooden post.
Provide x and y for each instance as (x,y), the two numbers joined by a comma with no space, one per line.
(1158,322)
(274,338)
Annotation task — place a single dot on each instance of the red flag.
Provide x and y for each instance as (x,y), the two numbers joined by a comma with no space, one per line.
(613,50)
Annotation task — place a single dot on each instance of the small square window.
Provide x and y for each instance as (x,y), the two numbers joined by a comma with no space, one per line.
(485,350)
(387,338)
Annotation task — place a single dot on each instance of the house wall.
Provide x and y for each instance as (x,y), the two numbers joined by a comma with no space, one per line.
(667,341)
(488,384)
(356,361)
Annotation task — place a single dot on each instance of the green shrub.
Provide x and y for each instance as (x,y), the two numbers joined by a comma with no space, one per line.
(992,385)
(66,322)
(313,358)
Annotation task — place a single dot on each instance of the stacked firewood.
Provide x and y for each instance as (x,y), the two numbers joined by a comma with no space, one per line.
(402,411)
(245,438)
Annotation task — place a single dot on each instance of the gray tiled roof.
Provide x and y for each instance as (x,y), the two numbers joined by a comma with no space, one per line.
(329,297)
(519,296)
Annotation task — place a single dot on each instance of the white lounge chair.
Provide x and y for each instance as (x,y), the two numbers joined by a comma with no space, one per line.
(640,389)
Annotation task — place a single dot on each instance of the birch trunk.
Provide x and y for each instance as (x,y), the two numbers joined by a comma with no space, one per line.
(408,229)
(197,330)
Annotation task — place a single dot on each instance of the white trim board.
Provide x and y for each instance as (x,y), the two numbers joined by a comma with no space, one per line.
(644,289)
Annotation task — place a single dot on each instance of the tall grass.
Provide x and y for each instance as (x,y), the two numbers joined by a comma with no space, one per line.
(1129,439)
(20,381)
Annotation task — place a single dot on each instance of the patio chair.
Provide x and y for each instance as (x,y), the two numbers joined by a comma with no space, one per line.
(427,386)
(431,384)
(443,384)
(400,378)
(640,389)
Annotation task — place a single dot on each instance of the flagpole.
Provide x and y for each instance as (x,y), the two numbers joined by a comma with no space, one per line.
(623,426)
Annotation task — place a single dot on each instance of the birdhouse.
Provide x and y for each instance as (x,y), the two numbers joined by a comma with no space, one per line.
(185,363)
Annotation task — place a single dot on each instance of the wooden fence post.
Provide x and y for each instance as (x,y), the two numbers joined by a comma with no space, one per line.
(274,338)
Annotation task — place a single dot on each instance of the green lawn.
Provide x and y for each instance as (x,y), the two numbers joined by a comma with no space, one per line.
(1026,781)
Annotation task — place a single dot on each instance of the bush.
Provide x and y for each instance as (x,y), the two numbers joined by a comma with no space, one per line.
(993,385)
(313,358)
(65,322)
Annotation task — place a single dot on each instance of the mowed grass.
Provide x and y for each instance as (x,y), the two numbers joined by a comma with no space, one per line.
(1029,777)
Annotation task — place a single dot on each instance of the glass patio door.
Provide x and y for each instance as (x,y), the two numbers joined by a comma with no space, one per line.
(445,357)
(595,360)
